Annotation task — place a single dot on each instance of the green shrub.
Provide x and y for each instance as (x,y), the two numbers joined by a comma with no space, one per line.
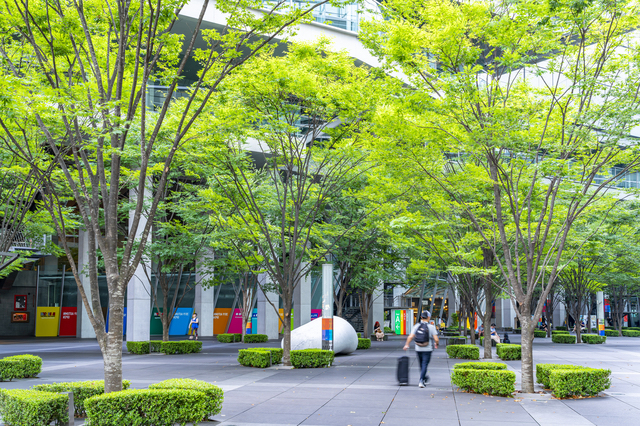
(580,382)
(563,338)
(631,333)
(256,338)
(215,395)
(539,333)
(226,338)
(633,328)
(151,407)
(30,365)
(463,351)
(544,370)
(364,343)
(81,391)
(138,348)
(561,328)
(481,365)
(387,330)
(311,358)
(485,381)
(29,407)
(507,351)
(611,333)
(457,340)
(155,345)
(255,358)
(593,338)
(10,369)
(555,332)
(181,347)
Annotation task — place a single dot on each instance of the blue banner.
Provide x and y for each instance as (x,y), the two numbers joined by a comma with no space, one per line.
(180,323)
(254,321)
(124,322)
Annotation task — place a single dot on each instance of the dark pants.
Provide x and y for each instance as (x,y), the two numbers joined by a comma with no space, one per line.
(423,359)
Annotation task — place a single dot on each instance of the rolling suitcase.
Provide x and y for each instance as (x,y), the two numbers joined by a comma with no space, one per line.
(403,370)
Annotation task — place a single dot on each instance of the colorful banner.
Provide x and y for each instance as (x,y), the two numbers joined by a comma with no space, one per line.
(68,321)
(47,319)
(155,322)
(254,321)
(316,313)
(220,318)
(180,322)
(327,329)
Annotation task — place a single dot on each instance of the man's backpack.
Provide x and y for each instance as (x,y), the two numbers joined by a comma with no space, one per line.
(422,334)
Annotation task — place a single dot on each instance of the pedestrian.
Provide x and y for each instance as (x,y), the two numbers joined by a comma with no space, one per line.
(426,340)
(494,334)
(194,325)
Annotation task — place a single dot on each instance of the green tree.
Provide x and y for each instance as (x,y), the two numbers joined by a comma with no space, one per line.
(533,94)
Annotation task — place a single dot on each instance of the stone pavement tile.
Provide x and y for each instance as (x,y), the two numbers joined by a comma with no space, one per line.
(606,406)
(308,407)
(613,420)
(407,421)
(322,419)
(254,397)
(352,403)
(275,418)
(553,413)
(422,411)
(495,423)
(305,392)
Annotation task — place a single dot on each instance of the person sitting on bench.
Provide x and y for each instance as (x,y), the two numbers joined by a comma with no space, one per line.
(494,334)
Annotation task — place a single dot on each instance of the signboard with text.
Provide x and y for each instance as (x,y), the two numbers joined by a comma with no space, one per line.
(68,321)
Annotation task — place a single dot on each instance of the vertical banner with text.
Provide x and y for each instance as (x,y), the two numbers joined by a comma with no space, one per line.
(327,306)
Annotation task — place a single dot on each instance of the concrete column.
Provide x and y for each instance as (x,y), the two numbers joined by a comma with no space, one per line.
(204,302)
(377,310)
(600,312)
(267,316)
(138,289)
(84,329)
(302,300)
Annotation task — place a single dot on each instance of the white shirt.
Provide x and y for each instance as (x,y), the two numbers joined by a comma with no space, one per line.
(432,332)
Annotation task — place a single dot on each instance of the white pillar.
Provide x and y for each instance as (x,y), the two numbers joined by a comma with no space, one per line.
(377,309)
(138,291)
(204,302)
(84,329)
(302,300)
(600,312)
(327,306)
(267,316)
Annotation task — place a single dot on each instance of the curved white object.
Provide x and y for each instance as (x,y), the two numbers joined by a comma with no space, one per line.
(309,336)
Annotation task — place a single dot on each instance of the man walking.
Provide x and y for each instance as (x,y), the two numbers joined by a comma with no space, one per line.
(426,339)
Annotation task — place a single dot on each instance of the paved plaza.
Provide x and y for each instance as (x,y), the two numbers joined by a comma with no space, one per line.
(360,389)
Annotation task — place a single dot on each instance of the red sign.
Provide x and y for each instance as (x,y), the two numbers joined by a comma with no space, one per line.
(68,321)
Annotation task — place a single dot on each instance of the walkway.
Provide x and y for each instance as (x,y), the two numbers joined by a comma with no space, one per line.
(359,389)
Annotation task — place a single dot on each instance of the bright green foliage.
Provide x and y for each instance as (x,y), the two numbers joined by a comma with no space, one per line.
(387,330)
(463,351)
(138,348)
(215,395)
(311,358)
(31,365)
(152,407)
(508,351)
(20,407)
(229,337)
(539,333)
(563,338)
(364,343)
(631,333)
(581,382)
(181,347)
(481,365)
(544,370)
(554,332)
(593,338)
(561,328)
(485,381)
(10,369)
(258,357)
(255,338)
(611,333)
(155,345)
(81,391)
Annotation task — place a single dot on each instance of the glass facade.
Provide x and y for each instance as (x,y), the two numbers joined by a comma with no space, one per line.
(346,18)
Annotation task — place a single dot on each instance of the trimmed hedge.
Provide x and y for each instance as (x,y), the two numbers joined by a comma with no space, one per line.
(555,332)
(260,357)
(457,340)
(631,333)
(539,333)
(563,338)
(30,365)
(146,407)
(481,365)
(215,395)
(29,407)
(229,337)
(364,343)
(593,338)
(10,369)
(611,333)
(579,382)
(255,338)
(311,358)
(484,381)
(138,348)
(561,328)
(463,351)
(544,370)
(508,351)
(81,391)
(181,347)
(155,345)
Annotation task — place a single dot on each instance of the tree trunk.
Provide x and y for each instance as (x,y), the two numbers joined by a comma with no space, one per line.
(365,308)
(165,317)
(286,329)
(528,326)
(486,320)
(112,352)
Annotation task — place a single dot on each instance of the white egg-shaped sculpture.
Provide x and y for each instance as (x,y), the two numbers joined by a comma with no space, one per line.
(309,336)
